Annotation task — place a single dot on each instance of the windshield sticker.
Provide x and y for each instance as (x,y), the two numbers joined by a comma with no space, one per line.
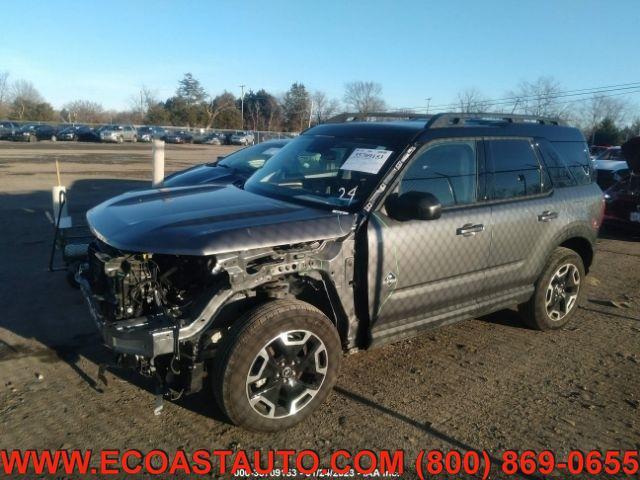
(271,151)
(368,160)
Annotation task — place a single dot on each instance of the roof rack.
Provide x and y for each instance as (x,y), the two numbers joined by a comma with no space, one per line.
(376,117)
(440,120)
(443,120)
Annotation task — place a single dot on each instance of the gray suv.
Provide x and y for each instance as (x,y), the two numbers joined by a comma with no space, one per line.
(118,133)
(352,235)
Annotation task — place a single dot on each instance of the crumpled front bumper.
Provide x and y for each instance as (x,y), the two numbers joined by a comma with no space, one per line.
(147,337)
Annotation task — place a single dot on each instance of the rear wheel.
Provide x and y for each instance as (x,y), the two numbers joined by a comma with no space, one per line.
(557,292)
(278,365)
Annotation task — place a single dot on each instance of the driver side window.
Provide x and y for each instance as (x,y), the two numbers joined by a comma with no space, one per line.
(447,170)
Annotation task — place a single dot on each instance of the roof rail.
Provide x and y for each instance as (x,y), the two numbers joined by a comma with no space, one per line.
(376,116)
(440,120)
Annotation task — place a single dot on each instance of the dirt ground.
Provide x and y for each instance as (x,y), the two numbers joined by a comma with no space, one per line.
(487,383)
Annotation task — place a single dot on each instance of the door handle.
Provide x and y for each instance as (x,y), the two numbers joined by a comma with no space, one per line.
(469,229)
(547,216)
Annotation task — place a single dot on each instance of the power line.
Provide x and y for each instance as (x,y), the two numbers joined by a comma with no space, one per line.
(625,88)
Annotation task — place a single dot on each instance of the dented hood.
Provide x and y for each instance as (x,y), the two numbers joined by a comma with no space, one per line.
(208,219)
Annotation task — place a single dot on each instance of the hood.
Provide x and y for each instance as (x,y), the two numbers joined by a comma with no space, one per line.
(205,174)
(208,219)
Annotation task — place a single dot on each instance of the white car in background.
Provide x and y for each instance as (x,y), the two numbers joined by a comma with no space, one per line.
(242,138)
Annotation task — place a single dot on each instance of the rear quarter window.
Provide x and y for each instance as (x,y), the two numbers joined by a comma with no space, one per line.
(575,155)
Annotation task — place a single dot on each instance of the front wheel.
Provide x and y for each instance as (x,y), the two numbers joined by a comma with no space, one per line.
(557,291)
(278,365)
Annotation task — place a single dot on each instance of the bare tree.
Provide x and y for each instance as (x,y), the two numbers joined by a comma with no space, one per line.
(323,107)
(142,102)
(599,107)
(4,92)
(25,90)
(472,100)
(23,94)
(539,97)
(221,103)
(83,111)
(364,97)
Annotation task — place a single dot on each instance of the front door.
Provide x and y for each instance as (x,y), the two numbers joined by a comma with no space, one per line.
(422,270)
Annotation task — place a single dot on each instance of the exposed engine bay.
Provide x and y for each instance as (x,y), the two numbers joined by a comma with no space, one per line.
(165,315)
(138,284)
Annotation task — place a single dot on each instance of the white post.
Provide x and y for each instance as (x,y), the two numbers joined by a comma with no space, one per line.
(157,155)
(59,200)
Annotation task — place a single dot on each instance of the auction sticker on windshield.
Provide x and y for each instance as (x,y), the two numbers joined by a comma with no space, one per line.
(368,160)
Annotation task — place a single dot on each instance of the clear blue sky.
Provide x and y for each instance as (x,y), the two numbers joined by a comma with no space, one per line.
(104,51)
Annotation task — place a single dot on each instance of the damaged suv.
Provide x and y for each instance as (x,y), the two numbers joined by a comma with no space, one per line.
(352,235)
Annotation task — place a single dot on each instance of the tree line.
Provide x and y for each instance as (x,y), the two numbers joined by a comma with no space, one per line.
(604,119)
(193,106)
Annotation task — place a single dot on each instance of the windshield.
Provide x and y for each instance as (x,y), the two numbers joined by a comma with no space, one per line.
(333,171)
(250,159)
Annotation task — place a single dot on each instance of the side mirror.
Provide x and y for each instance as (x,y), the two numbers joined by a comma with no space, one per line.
(413,206)
(221,157)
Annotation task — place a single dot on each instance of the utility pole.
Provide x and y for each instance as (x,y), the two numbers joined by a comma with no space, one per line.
(428,103)
(242,105)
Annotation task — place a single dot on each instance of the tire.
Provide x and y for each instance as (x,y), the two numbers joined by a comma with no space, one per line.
(54,138)
(557,292)
(120,140)
(255,355)
(135,139)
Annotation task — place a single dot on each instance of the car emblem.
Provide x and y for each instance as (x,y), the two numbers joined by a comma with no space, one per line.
(390,279)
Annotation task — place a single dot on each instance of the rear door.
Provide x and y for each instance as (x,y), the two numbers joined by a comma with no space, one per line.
(421,269)
(524,213)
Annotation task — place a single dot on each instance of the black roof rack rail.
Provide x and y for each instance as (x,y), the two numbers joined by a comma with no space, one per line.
(376,116)
(440,120)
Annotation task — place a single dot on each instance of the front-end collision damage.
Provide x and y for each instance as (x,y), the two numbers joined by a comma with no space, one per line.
(167,314)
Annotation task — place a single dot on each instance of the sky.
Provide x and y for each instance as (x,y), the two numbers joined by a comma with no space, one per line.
(416,49)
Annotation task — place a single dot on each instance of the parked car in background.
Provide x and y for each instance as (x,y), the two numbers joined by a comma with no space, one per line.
(180,136)
(35,131)
(119,134)
(212,138)
(622,200)
(610,172)
(232,169)
(87,134)
(69,133)
(149,132)
(595,150)
(622,204)
(7,129)
(242,138)
(610,153)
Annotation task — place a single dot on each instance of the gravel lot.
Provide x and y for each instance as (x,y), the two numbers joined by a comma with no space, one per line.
(486,383)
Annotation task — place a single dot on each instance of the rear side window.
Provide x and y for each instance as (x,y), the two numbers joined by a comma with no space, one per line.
(447,170)
(575,156)
(514,169)
(559,171)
